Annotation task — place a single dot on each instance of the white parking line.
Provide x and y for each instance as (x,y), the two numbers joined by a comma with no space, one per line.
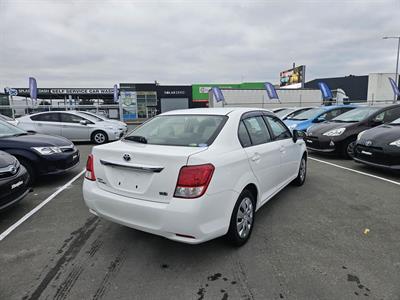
(355,171)
(29,214)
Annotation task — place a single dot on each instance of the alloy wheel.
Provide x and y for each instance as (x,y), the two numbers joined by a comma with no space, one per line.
(99,138)
(244,218)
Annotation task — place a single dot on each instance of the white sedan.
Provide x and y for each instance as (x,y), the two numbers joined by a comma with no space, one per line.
(194,175)
(71,125)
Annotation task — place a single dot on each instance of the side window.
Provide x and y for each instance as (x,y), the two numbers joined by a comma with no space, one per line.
(278,128)
(391,115)
(48,117)
(70,118)
(379,118)
(332,114)
(243,135)
(258,130)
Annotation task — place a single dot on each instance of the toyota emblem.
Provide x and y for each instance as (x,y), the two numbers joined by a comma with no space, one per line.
(127,157)
(13,170)
(368,143)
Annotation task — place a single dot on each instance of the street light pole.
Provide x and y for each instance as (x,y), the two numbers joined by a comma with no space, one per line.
(397,62)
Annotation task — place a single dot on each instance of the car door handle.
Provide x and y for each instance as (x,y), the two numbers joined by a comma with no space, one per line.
(256,157)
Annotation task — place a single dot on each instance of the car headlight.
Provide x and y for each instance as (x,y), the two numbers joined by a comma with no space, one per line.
(335,132)
(360,134)
(395,143)
(47,150)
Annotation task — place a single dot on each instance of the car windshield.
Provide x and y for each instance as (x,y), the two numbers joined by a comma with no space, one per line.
(308,114)
(284,112)
(355,115)
(179,130)
(94,116)
(10,130)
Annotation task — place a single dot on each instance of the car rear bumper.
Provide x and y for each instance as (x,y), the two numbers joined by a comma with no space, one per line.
(190,221)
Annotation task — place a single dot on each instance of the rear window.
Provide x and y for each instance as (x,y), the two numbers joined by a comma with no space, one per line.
(180,130)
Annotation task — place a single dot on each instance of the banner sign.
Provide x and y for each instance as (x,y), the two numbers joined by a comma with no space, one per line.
(325,90)
(129,105)
(25,92)
(33,88)
(394,87)
(115,93)
(271,90)
(218,94)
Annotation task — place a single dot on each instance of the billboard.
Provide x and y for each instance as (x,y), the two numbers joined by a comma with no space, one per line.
(200,91)
(129,104)
(293,78)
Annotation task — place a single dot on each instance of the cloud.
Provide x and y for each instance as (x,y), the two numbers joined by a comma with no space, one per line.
(99,43)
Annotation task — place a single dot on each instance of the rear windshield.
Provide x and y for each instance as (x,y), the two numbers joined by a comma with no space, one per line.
(355,115)
(179,130)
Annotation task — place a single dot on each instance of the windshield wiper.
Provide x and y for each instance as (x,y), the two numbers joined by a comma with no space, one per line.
(136,138)
(19,134)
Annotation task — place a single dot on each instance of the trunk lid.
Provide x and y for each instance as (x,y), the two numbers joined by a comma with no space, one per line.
(140,171)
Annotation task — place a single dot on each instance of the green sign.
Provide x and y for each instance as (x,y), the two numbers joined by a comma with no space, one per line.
(200,91)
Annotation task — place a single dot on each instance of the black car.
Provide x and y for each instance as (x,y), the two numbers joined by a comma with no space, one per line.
(380,146)
(14,181)
(40,154)
(340,134)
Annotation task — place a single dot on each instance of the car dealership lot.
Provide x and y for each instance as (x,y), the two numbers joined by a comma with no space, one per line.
(337,237)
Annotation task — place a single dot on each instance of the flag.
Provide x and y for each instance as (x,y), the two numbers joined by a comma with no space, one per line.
(271,90)
(325,90)
(394,87)
(33,88)
(218,94)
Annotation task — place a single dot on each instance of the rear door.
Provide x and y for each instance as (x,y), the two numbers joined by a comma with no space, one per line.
(289,157)
(72,128)
(47,123)
(262,152)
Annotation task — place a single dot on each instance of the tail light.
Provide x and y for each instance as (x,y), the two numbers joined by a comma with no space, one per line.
(193,181)
(89,174)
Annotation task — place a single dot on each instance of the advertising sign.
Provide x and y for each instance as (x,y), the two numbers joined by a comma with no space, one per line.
(293,78)
(271,91)
(129,104)
(33,88)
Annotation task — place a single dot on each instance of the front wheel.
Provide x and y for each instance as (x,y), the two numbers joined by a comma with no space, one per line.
(99,137)
(301,175)
(242,219)
(348,148)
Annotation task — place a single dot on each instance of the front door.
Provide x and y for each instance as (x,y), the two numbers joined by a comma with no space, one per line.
(72,129)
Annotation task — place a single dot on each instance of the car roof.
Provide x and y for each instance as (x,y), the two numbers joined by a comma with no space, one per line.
(213,111)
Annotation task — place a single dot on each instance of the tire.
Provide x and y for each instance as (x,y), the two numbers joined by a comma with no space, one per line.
(244,213)
(302,174)
(348,148)
(99,137)
(29,168)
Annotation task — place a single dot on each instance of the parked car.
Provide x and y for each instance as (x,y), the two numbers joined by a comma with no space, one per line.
(193,175)
(316,115)
(8,120)
(39,154)
(380,146)
(71,125)
(340,134)
(291,112)
(14,181)
(121,125)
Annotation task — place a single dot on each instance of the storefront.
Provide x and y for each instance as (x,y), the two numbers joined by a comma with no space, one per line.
(172,97)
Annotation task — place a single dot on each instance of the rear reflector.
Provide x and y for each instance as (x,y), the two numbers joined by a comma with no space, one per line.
(193,181)
(89,174)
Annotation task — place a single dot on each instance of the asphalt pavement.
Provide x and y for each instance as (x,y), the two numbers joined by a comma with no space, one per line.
(336,237)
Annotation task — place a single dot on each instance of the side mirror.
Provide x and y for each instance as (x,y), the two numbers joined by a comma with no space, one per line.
(297,134)
(83,122)
(376,122)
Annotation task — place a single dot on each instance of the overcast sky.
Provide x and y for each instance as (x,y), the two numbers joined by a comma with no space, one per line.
(99,43)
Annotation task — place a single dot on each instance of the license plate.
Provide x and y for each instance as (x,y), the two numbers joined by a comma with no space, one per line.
(366,152)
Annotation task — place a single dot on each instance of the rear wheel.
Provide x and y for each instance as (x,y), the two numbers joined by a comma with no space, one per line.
(99,137)
(242,219)
(301,175)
